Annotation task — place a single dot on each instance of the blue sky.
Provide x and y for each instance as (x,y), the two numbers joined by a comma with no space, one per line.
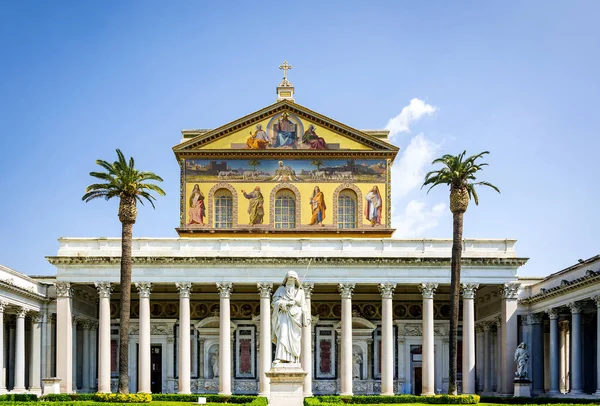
(517,78)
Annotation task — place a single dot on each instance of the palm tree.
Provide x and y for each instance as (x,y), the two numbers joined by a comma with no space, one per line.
(122,180)
(459,174)
(318,163)
(254,163)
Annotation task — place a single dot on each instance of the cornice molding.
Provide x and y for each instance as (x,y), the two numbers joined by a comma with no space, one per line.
(564,288)
(25,292)
(243,261)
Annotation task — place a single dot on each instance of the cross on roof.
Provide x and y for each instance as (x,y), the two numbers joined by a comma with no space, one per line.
(285,68)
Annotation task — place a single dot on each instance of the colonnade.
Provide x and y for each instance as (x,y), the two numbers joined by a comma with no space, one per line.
(18,348)
(565,356)
(65,337)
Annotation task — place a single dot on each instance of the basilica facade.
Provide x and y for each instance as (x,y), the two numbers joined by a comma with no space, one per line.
(286,188)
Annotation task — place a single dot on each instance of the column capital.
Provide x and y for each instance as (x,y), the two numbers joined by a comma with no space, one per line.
(264,289)
(553,313)
(75,320)
(387,290)
(497,321)
(427,289)
(564,325)
(597,300)
(346,290)
(63,289)
(308,289)
(3,305)
(36,317)
(104,289)
(575,307)
(468,290)
(184,288)
(144,289)
(21,312)
(487,325)
(86,324)
(509,290)
(225,289)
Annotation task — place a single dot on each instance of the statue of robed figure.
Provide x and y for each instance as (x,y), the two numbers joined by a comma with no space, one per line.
(289,314)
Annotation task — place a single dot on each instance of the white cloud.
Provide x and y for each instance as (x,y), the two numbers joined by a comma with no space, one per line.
(408,170)
(416,109)
(416,219)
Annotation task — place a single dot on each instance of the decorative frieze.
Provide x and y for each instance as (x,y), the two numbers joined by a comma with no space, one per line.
(387,290)
(144,289)
(509,290)
(427,290)
(225,289)
(184,289)
(63,289)
(346,290)
(264,289)
(468,290)
(104,289)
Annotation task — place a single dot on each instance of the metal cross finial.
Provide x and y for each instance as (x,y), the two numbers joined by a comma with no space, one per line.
(285,68)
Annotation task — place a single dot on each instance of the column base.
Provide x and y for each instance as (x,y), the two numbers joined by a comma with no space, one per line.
(428,394)
(387,393)
(265,394)
(553,393)
(597,393)
(307,394)
(36,389)
(225,393)
(346,394)
(185,393)
(18,390)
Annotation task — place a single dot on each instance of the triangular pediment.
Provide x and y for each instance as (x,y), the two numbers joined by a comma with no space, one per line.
(283,127)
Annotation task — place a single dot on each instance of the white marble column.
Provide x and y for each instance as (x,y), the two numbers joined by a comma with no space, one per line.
(2,349)
(94,358)
(387,339)
(576,366)
(20,352)
(74,368)
(85,381)
(184,366)
(225,290)
(428,377)
(509,293)
(104,290)
(306,354)
(537,353)
(564,355)
(468,341)
(487,357)
(264,364)
(597,301)
(64,336)
(346,290)
(35,358)
(144,289)
(554,352)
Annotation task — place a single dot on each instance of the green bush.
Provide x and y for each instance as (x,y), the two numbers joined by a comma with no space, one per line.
(541,400)
(123,398)
(56,397)
(177,397)
(18,397)
(397,399)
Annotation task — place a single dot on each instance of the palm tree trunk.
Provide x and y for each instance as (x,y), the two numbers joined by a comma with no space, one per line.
(457,232)
(126,265)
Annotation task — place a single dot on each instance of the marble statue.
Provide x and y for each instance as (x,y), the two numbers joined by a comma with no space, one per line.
(357,361)
(521,358)
(289,314)
(214,360)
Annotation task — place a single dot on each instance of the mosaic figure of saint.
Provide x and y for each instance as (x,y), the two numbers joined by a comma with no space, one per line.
(289,314)
(259,139)
(196,210)
(373,206)
(285,132)
(317,204)
(311,138)
(255,205)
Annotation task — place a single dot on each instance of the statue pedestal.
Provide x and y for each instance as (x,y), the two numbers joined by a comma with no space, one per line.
(287,384)
(523,388)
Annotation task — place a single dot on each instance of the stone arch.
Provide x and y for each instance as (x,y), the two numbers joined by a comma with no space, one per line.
(359,203)
(296,193)
(211,204)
